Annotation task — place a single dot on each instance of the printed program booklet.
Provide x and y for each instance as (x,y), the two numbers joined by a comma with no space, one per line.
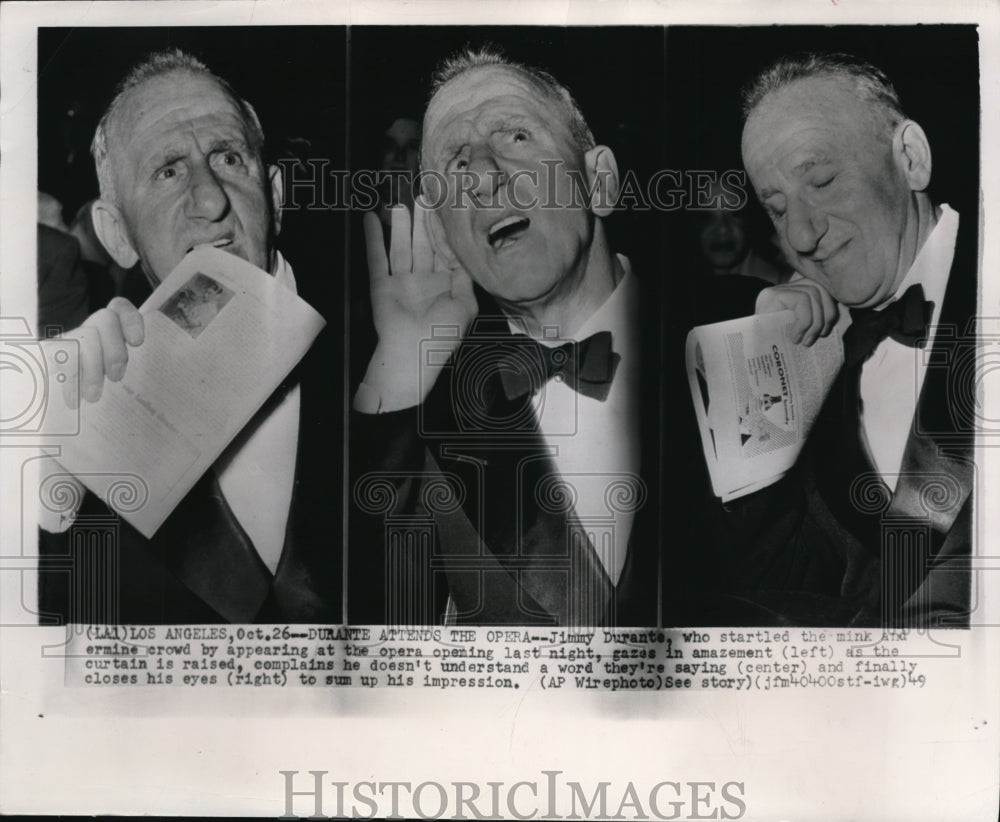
(756,395)
(221,335)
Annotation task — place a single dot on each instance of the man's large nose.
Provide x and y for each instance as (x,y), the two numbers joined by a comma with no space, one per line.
(487,174)
(207,197)
(804,226)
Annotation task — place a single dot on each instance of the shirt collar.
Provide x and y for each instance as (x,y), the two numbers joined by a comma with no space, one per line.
(615,314)
(933,262)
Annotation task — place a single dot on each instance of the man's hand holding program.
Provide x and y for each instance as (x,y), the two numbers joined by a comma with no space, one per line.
(104,339)
(815,310)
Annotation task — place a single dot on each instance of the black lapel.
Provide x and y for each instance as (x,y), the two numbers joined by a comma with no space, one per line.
(308,580)
(208,550)
(937,472)
(502,469)
(639,586)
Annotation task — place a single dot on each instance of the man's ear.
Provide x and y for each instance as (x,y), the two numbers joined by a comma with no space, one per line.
(430,187)
(109,225)
(913,154)
(277,190)
(602,179)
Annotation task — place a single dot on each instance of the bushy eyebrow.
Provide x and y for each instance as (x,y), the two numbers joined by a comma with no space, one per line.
(165,155)
(810,163)
(496,122)
(516,119)
(798,170)
(172,152)
(229,144)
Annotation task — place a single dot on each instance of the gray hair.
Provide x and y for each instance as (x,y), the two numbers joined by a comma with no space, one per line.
(486,56)
(161,64)
(870,83)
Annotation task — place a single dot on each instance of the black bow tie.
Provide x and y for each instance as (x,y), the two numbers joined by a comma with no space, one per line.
(905,320)
(587,367)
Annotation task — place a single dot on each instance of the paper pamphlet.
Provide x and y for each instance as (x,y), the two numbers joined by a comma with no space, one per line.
(756,394)
(220,336)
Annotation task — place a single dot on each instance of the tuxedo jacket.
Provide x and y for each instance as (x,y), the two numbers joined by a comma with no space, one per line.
(459,500)
(200,566)
(830,545)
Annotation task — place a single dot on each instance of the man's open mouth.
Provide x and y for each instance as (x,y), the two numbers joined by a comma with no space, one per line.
(507,230)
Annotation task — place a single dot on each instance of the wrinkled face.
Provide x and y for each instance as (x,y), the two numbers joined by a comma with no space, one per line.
(827,173)
(186,174)
(723,237)
(512,208)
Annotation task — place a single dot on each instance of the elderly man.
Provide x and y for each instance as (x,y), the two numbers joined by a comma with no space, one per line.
(495,442)
(874,526)
(180,164)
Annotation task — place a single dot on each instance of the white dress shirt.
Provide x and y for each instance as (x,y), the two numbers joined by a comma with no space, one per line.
(596,442)
(892,377)
(256,472)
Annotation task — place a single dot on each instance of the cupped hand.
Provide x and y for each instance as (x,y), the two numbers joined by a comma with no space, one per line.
(413,291)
